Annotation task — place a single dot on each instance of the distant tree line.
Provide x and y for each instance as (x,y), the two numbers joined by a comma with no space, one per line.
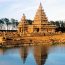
(29,22)
(60,25)
(11,24)
(6,24)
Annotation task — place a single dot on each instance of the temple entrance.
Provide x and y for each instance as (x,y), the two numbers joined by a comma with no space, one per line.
(19,29)
(36,30)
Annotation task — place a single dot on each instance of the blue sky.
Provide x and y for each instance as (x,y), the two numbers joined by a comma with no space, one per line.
(54,9)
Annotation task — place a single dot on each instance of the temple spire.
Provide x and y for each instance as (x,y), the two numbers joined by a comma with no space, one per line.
(40,6)
(40,16)
(23,17)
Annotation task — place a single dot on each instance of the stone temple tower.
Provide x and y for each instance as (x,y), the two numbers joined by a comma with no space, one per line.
(41,23)
(40,16)
(22,27)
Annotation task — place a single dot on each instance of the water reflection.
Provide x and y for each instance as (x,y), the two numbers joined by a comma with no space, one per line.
(40,54)
(2,51)
(24,53)
(37,55)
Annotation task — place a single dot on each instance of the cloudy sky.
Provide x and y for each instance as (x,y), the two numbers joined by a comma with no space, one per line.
(54,9)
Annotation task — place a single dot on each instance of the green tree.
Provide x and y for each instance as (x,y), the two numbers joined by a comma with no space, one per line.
(57,24)
(1,24)
(62,24)
(14,23)
(7,22)
(52,22)
(29,22)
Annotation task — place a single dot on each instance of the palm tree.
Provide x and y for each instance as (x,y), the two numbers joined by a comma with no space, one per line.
(29,22)
(14,23)
(1,24)
(57,24)
(7,22)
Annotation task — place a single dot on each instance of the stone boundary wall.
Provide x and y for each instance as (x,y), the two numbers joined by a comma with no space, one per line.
(52,38)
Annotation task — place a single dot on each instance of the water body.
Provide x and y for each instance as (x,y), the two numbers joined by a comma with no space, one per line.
(37,55)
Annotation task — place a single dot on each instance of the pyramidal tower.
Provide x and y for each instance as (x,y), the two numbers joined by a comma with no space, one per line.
(23,19)
(41,23)
(22,27)
(40,16)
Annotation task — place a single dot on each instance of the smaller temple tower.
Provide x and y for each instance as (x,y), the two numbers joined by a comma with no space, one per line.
(22,27)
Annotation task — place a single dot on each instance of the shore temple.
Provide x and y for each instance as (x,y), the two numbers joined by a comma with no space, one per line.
(39,32)
(40,24)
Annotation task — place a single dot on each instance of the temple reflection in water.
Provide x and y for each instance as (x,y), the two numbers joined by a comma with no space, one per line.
(39,52)
(2,51)
(22,55)
(37,55)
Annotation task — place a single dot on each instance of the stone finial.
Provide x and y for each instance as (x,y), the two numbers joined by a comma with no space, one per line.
(40,6)
(23,14)
(23,17)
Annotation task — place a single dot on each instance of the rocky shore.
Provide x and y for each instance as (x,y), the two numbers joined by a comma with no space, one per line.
(35,40)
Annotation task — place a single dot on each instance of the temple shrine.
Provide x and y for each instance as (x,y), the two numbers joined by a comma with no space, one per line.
(40,24)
